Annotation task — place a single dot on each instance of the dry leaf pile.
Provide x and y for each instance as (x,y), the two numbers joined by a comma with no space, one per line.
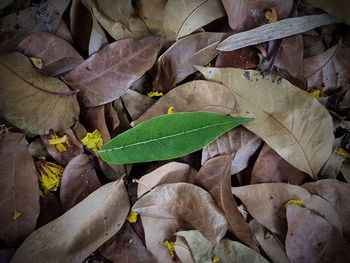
(74,74)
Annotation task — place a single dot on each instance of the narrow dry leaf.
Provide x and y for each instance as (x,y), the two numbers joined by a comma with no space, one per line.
(311,238)
(85,227)
(197,95)
(98,37)
(136,103)
(288,119)
(185,202)
(184,17)
(57,55)
(107,74)
(19,189)
(175,64)
(241,58)
(182,250)
(34,102)
(78,181)
(239,142)
(271,168)
(215,177)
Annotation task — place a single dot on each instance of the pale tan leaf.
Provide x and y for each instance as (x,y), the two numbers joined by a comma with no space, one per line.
(183,252)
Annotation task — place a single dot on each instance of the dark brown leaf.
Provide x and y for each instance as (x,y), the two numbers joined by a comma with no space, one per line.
(50,208)
(241,58)
(136,103)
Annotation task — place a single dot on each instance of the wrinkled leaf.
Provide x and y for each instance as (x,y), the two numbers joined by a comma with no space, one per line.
(85,227)
(311,238)
(215,177)
(242,58)
(167,137)
(186,202)
(107,74)
(57,55)
(19,189)
(34,102)
(289,120)
(239,142)
(337,8)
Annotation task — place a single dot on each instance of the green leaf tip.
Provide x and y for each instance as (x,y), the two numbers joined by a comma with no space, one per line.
(168,136)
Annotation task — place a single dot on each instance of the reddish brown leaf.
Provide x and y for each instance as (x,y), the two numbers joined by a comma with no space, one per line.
(19,189)
(136,103)
(57,55)
(107,74)
(215,177)
(78,181)
(242,58)
(50,208)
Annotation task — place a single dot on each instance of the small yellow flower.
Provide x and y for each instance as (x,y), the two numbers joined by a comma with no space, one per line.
(50,175)
(37,62)
(59,142)
(271,16)
(16,214)
(155,94)
(171,110)
(170,247)
(297,202)
(93,140)
(132,217)
(216,259)
(209,65)
(317,93)
(343,153)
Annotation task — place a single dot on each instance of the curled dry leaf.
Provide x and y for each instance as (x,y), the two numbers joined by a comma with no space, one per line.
(271,168)
(33,102)
(19,190)
(45,16)
(241,58)
(57,55)
(215,177)
(175,64)
(329,70)
(311,238)
(184,17)
(239,142)
(182,250)
(289,120)
(98,37)
(266,205)
(79,180)
(107,74)
(338,194)
(85,227)
(197,95)
(186,202)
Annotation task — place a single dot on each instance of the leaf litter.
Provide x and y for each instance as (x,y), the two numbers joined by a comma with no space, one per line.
(275,189)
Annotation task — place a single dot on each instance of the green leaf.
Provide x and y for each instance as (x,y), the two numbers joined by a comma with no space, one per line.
(168,136)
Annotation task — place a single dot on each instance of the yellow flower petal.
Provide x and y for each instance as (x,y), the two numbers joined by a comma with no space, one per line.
(317,93)
(132,217)
(50,175)
(297,202)
(170,247)
(155,94)
(59,142)
(271,16)
(16,214)
(209,65)
(93,140)
(216,259)
(171,110)
(37,62)
(343,153)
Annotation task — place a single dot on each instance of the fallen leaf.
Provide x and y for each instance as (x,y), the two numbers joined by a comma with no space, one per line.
(57,55)
(37,149)
(85,227)
(34,102)
(184,17)
(239,142)
(64,32)
(182,250)
(78,181)
(19,189)
(241,58)
(311,238)
(136,103)
(215,177)
(50,208)
(289,120)
(271,168)
(185,202)
(98,38)
(107,74)
(175,64)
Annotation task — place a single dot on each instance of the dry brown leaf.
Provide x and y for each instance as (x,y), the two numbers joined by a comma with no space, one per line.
(19,190)
(289,120)
(58,56)
(136,103)
(241,58)
(311,238)
(215,177)
(98,37)
(63,32)
(185,202)
(85,227)
(34,102)
(107,74)
(197,95)
(266,205)
(175,64)
(271,168)
(184,17)
(50,208)
(239,142)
